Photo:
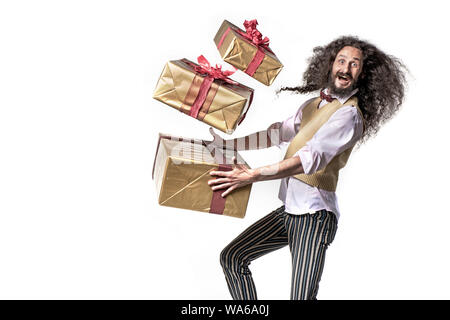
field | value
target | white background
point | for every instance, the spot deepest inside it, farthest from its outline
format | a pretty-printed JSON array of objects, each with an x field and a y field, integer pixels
[{"x": 79, "y": 217}]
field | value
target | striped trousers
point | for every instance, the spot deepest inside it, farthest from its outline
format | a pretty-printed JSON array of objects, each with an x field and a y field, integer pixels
[{"x": 308, "y": 237}]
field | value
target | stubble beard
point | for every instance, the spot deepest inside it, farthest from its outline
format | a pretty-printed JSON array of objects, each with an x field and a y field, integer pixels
[{"x": 339, "y": 92}]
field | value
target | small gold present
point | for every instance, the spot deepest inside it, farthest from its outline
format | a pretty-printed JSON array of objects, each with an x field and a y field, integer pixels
[
  {"x": 204, "y": 92},
  {"x": 248, "y": 51},
  {"x": 181, "y": 171}
]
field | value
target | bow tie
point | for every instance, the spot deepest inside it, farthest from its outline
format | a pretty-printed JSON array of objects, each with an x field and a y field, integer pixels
[{"x": 325, "y": 96}]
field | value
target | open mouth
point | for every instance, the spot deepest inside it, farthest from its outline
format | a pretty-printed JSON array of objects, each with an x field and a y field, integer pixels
[{"x": 343, "y": 79}]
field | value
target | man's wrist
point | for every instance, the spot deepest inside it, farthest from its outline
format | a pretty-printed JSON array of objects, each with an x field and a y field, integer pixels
[{"x": 255, "y": 175}]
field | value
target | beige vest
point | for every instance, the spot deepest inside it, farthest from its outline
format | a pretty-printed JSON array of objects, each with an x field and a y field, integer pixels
[{"x": 312, "y": 119}]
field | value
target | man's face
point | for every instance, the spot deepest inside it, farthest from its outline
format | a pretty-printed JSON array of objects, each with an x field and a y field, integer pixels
[{"x": 346, "y": 69}]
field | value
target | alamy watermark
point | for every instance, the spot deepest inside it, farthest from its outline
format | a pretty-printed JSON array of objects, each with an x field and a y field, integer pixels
[{"x": 223, "y": 151}]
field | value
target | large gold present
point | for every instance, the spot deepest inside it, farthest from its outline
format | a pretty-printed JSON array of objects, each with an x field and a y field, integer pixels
[
  {"x": 204, "y": 92},
  {"x": 181, "y": 171},
  {"x": 248, "y": 51}
]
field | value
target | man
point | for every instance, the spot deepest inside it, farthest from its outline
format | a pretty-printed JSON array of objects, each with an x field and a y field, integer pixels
[{"x": 360, "y": 88}]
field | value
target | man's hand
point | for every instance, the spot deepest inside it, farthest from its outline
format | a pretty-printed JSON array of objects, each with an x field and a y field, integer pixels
[{"x": 240, "y": 176}]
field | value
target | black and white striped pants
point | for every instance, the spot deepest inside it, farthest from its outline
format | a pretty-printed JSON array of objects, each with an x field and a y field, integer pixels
[{"x": 308, "y": 236}]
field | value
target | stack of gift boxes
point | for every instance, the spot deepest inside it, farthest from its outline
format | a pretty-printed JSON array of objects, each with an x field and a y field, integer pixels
[{"x": 206, "y": 93}]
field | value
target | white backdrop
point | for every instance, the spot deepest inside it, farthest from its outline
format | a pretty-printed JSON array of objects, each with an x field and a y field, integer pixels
[{"x": 79, "y": 217}]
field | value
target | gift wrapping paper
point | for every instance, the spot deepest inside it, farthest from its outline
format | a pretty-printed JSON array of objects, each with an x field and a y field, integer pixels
[
  {"x": 240, "y": 51},
  {"x": 225, "y": 102},
  {"x": 181, "y": 172}
]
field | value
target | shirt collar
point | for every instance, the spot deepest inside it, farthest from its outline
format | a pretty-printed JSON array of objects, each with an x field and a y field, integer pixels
[{"x": 342, "y": 100}]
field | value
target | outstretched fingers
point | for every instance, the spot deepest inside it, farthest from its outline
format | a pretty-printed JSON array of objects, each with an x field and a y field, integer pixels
[
  {"x": 222, "y": 186},
  {"x": 220, "y": 173},
  {"x": 228, "y": 191},
  {"x": 218, "y": 181}
]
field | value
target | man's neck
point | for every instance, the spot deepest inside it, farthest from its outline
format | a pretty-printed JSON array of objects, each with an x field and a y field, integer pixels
[{"x": 342, "y": 98}]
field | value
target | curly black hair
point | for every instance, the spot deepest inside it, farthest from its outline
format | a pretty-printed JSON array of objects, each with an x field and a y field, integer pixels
[{"x": 381, "y": 84}]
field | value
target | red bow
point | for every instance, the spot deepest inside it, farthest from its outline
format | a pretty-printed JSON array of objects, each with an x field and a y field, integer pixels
[
  {"x": 254, "y": 35},
  {"x": 217, "y": 72},
  {"x": 325, "y": 96}
]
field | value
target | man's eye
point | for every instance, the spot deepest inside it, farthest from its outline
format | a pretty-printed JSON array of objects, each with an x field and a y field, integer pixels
[{"x": 354, "y": 64}]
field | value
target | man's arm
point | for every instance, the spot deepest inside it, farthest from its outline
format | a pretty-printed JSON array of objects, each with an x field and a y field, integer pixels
[
  {"x": 255, "y": 141},
  {"x": 275, "y": 134},
  {"x": 242, "y": 175},
  {"x": 340, "y": 132}
]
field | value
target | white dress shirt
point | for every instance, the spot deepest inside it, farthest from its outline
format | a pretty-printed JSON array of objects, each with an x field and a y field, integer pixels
[{"x": 340, "y": 132}]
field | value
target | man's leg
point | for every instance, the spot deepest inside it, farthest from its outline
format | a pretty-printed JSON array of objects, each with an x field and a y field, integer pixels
[
  {"x": 266, "y": 235},
  {"x": 309, "y": 236}
]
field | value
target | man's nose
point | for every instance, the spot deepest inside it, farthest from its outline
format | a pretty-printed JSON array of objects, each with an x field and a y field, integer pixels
[{"x": 345, "y": 68}]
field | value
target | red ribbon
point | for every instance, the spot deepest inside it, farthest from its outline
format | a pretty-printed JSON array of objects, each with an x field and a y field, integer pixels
[
  {"x": 216, "y": 73},
  {"x": 217, "y": 201},
  {"x": 212, "y": 73},
  {"x": 254, "y": 36}
]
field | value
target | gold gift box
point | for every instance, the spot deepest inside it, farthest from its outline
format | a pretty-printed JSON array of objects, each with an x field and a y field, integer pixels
[
  {"x": 226, "y": 103},
  {"x": 182, "y": 170},
  {"x": 239, "y": 52}
]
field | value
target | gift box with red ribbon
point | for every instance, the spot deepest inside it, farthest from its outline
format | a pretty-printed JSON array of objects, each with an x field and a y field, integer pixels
[
  {"x": 248, "y": 51},
  {"x": 181, "y": 173},
  {"x": 204, "y": 92}
]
